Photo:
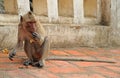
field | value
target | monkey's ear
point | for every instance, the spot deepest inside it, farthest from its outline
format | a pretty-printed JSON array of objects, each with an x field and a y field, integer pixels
[
  {"x": 21, "y": 18},
  {"x": 30, "y": 12}
]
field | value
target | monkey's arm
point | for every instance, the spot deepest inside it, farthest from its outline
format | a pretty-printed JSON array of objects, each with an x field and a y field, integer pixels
[
  {"x": 19, "y": 44},
  {"x": 13, "y": 52}
]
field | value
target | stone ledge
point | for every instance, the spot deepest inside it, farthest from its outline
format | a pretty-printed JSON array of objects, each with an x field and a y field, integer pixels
[{"x": 63, "y": 35}]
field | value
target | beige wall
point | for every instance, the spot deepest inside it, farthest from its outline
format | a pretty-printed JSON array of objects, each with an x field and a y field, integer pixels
[
  {"x": 10, "y": 6},
  {"x": 40, "y": 7},
  {"x": 65, "y": 35},
  {"x": 62, "y": 36},
  {"x": 65, "y": 7},
  {"x": 90, "y": 8}
]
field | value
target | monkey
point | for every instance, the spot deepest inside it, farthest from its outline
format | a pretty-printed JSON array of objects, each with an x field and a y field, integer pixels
[{"x": 32, "y": 36}]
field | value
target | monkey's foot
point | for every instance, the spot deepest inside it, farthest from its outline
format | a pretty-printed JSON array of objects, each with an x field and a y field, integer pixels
[
  {"x": 27, "y": 62},
  {"x": 37, "y": 64}
]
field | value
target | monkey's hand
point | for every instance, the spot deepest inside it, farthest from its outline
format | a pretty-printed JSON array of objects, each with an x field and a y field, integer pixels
[
  {"x": 35, "y": 35},
  {"x": 12, "y": 54}
]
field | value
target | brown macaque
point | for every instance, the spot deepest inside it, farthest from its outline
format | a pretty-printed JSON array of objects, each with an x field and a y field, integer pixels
[{"x": 36, "y": 43}]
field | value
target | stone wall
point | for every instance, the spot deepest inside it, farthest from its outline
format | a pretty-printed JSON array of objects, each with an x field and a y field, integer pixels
[
  {"x": 72, "y": 35},
  {"x": 8, "y": 36},
  {"x": 62, "y": 35}
]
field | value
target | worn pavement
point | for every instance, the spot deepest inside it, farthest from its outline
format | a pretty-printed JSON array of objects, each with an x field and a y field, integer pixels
[{"x": 77, "y": 62}]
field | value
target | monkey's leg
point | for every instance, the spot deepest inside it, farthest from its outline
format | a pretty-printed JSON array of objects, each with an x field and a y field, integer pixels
[
  {"x": 28, "y": 50},
  {"x": 45, "y": 49}
]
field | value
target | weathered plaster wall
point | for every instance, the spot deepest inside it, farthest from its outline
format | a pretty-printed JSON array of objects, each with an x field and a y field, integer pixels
[
  {"x": 92, "y": 11},
  {"x": 71, "y": 36},
  {"x": 11, "y": 6},
  {"x": 62, "y": 35},
  {"x": 65, "y": 8},
  {"x": 90, "y": 8},
  {"x": 6, "y": 19},
  {"x": 8, "y": 36},
  {"x": 40, "y": 7}
]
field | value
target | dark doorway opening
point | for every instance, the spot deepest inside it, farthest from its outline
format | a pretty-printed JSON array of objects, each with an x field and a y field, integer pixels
[{"x": 31, "y": 5}]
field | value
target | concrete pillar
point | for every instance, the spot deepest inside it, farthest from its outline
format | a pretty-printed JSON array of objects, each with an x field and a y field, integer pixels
[
  {"x": 114, "y": 35},
  {"x": 23, "y": 6},
  {"x": 118, "y": 13},
  {"x": 114, "y": 13},
  {"x": 98, "y": 11},
  {"x": 78, "y": 11},
  {"x": 52, "y": 10}
]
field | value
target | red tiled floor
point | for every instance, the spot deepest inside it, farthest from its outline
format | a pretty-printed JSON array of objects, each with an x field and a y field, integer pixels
[
  {"x": 82, "y": 76},
  {"x": 106, "y": 72},
  {"x": 42, "y": 74},
  {"x": 90, "y": 64},
  {"x": 18, "y": 74},
  {"x": 57, "y": 52},
  {"x": 61, "y": 63},
  {"x": 75, "y": 53},
  {"x": 65, "y": 69},
  {"x": 113, "y": 68}
]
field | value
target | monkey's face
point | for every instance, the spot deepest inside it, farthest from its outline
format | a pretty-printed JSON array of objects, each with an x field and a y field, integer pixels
[
  {"x": 29, "y": 22},
  {"x": 31, "y": 26}
]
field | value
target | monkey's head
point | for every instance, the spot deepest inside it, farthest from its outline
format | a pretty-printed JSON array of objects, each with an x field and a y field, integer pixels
[{"x": 29, "y": 22}]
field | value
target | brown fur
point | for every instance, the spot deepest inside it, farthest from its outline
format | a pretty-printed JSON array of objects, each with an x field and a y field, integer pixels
[{"x": 36, "y": 46}]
